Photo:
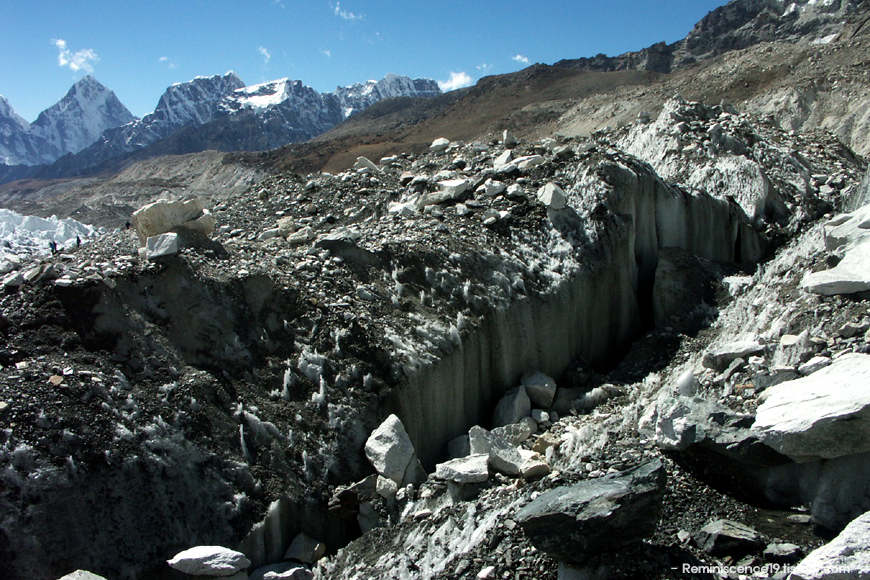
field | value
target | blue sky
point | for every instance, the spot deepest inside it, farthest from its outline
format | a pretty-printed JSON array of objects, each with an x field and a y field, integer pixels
[{"x": 139, "y": 47}]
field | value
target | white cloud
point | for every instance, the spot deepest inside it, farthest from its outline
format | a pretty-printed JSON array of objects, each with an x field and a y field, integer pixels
[
  {"x": 266, "y": 55},
  {"x": 168, "y": 61},
  {"x": 484, "y": 68},
  {"x": 344, "y": 14},
  {"x": 521, "y": 59},
  {"x": 457, "y": 80},
  {"x": 80, "y": 60},
  {"x": 328, "y": 53}
]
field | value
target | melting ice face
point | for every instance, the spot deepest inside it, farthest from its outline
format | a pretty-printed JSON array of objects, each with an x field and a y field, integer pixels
[{"x": 22, "y": 235}]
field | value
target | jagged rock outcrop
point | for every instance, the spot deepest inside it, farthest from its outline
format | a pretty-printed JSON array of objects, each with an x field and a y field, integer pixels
[{"x": 734, "y": 26}]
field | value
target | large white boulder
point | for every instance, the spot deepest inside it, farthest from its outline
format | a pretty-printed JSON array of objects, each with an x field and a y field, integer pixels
[
  {"x": 846, "y": 557},
  {"x": 439, "y": 145},
  {"x": 454, "y": 187},
  {"x": 162, "y": 216},
  {"x": 824, "y": 415},
  {"x": 365, "y": 164},
  {"x": 209, "y": 561},
  {"x": 389, "y": 449},
  {"x": 503, "y": 159},
  {"x": 847, "y": 235}
]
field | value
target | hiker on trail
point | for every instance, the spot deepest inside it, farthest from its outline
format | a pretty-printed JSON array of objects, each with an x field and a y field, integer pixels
[{"x": 53, "y": 247}]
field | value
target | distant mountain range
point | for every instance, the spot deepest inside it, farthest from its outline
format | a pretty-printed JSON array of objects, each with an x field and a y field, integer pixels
[{"x": 90, "y": 127}]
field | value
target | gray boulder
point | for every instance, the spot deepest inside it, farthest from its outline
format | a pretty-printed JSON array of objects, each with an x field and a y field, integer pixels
[
  {"x": 540, "y": 388},
  {"x": 576, "y": 523},
  {"x": 846, "y": 557},
  {"x": 512, "y": 407},
  {"x": 515, "y": 434},
  {"x": 305, "y": 549},
  {"x": 824, "y": 415},
  {"x": 783, "y": 553},
  {"x": 552, "y": 196}
]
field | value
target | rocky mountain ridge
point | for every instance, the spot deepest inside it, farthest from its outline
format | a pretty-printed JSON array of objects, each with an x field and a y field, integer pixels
[{"x": 735, "y": 26}]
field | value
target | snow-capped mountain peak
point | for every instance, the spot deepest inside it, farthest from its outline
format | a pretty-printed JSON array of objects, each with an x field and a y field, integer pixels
[
  {"x": 193, "y": 102},
  {"x": 73, "y": 123},
  {"x": 7, "y": 113},
  {"x": 356, "y": 97},
  {"x": 264, "y": 95},
  {"x": 282, "y": 111}
]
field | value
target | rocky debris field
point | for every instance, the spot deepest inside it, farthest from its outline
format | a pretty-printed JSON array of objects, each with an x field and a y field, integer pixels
[{"x": 218, "y": 379}]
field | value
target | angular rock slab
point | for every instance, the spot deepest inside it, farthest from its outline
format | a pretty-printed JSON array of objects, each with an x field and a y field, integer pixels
[
  {"x": 724, "y": 537},
  {"x": 471, "y": 469},
  {"x": 389, "y": 449},
  {"x": 161, "y": 245},
  {"x": 846, "y": 557},
  {"x": 718, "y": 358},
  {"x": 822, "y": 416},
  {"x": 209, "y": 561},
  {"x": 503, "y": 456},
  {"x": 848, "y": 228},
  {"x": 851, "y": 275},
  {"x": 576, "y": 523},
  {"x": 282, "y": 571}
]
